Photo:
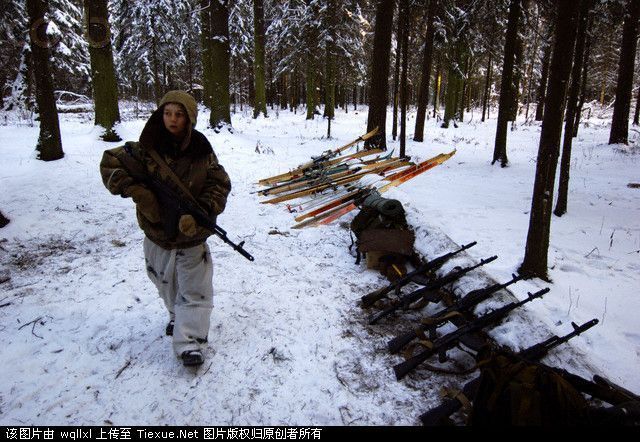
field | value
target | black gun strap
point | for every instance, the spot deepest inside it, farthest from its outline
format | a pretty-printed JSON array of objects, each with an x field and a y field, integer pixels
[{"x": 171, "y": 174}]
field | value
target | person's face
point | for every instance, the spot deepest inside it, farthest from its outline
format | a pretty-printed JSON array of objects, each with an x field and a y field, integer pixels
[{"x": 175, "y": 119}]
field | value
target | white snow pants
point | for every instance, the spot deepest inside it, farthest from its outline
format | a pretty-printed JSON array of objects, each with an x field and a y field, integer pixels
[{"x": 183, "y": 278}]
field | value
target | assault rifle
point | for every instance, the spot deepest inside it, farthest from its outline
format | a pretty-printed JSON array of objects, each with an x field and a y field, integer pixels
[
  {"x": 429, "y": 292},
  {"x": 448, "y": 341},
  {"x": 472, "y": 299},
  {"x": 438, "y": 415},
  {"x": 429, "y": 266},
  {"x": 180, "y": 205}
]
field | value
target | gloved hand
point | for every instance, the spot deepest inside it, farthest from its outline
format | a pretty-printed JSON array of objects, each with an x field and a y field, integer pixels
[
  {"x": 146, "y": 202},
  {"x": 187, "y": 225}
]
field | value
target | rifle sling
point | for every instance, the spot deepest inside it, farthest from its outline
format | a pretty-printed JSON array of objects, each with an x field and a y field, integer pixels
[
  {"x": 170, "y": 173},
  {"x": 459, "y": 396}
]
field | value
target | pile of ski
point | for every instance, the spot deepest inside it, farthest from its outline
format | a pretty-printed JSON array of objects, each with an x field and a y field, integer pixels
[{"x": 334, "y": 183}]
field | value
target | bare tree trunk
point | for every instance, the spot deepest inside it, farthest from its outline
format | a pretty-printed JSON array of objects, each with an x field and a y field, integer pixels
[
  {"x": 583, "y": 88},
  {"x": 465, "y": 81},
  {"x": 49, "y": 142},
  {"x": 620, "y": 122},
  {"x": 537, "y": 246},
  {"x": 396, "y": 75},
  {"x": 220, "y": 53},
  {"x": 423, "y": 96},
  {"x": 636, "y": 116},
  {"x": 103, "y": 75},
  {"x": 544, "y": 76},
  {"x": 506, "y": 85},
  {"x": 310, "y": 88},
  {"x": 404, "y": 18},
  {"x": 487, "y": 87},
  {"x": 260, "y": 104},
  {"x": 436, "y": 89},
  {"x": 532, "y": 58},
  {"x": 205, "y": 42},
  {"x": 379, "y": 85},
  {"x": 572, "y": 106}
]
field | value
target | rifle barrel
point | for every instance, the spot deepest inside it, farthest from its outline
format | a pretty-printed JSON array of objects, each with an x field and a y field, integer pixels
[
  {"x": 447, "y": 341},
  {"x": 427, "y": 290},
  {"x": 434, "y": 264}
]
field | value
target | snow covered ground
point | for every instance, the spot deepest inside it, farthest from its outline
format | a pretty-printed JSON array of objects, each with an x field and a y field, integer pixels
[{"x": 83, "y": 330}]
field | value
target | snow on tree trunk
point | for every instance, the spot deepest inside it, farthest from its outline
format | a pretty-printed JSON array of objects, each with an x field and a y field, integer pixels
[
  {"x": 260, "y": 104},
  {"x": 49, "y": 142},
  {"x": 103, "y": 77}
]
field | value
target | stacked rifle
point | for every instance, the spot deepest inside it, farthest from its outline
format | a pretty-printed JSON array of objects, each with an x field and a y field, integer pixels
[
  {"x": 424, "y": 286},
  {"x": 335, "y": 183}
]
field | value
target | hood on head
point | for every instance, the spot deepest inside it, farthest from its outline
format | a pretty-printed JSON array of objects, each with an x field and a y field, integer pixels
[{"x": 186, "y": 100}]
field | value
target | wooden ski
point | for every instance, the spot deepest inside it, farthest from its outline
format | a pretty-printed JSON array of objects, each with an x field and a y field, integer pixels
[
  {"x": 325, "y": 160},
  {"x": 396, "y": 163},
  {"x": 396, "y": 179}
]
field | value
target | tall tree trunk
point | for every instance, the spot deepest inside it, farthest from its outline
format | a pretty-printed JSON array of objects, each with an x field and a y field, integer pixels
[
  {"x": 404, "y": 18},
  {"x": 583, "y": 88},
  {"x": 260, "y": 104},
  {"x": 544, "y": 76},
  {"x": 330, "y": 78},
  {"x": 451, "y": 94},
  {"x": 537, "y": 246},
  {"x": 155, "y": 65},
  {"x": 517, "y": 64},
  {"x": 205, "y": 42},
  {"x": 507, "y": 88},
  {"x": 620, "y": 122},
  {"x": 487, "y": 87},
  {"x": 310, "y": 88},
  {"x": 532, "y": 60},
  {"x": 103, "y": 76},
  {"x": 49, "y": 142},
  {"x": 423, "y": 95},
  {"x": 572, "y": 106},
  {"x": 636, "y": 116},
  {"x": 436, "y": 89},
  {"x": 220, "y": 53},
  {"x": 465, "y": 82},
  {"x": 379, "y": 69},
  {"x": 396, "y": 75}
]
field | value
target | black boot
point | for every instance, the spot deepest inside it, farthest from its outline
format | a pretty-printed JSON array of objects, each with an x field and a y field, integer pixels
[
  {"x": 192, "y": 357},
  {"x": 169, "y": 329}
]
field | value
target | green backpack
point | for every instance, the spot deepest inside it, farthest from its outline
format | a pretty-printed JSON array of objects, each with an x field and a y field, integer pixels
[{"x": 383, "y": 236}]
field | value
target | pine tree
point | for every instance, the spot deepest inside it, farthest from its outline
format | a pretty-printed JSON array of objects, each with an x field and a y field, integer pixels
[
  {"x": 260, "y": 104},
  {"x": 572, "y": 107},
  {"x": 219, "y": 41},
  {"x": 507, "y": 86},
  {"x": 423, "y": 97},
  {"x": 537, "y": 245},
  {"x": 379, "y": 70},
  {"x": 620, "y": 120},
  {"x": 49, "y": 142},
  {"x": 103, "y": 77}
]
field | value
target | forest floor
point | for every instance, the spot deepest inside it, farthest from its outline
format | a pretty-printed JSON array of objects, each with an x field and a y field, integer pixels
[{"x": 83, "y": 329}]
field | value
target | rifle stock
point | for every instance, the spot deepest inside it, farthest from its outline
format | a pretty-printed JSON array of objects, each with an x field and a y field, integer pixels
[
  {"x": 472, "y": 299},
  {"x": 437, "y": 415},
  {"x": 427, "y": 291},
  {"x": 447, "y": 341},
  {"x": 370, "y": 298}
]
